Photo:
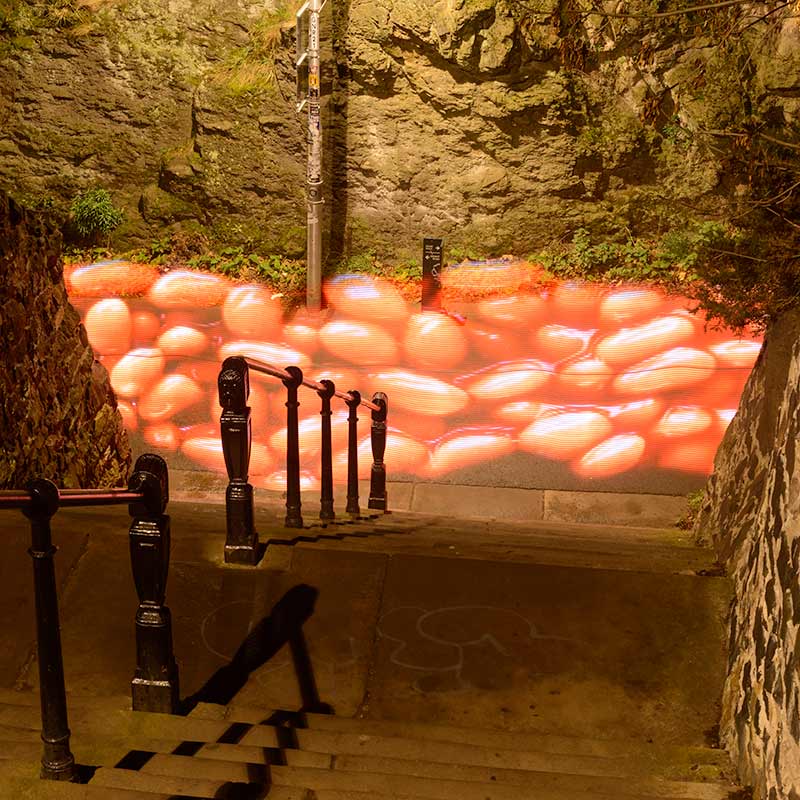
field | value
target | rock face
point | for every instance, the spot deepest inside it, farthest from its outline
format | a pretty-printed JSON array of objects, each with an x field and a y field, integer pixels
[
  {"x": 752, "y": 516},
  {"x": 500, "y": 124},
  {"x": 58, "y": 416}
]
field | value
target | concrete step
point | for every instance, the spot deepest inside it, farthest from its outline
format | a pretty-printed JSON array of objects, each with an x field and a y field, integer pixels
[
  {"x": 345, "y": 737},
  {"x": 505, "y": 740},
  {"x": 405, "y": 770}
]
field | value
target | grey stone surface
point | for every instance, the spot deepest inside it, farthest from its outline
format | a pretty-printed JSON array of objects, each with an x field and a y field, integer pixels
[
  {"x": 477, "y": 501},
  {"x": 607, "y": 508},
  {"x": 750, "y": 513}
]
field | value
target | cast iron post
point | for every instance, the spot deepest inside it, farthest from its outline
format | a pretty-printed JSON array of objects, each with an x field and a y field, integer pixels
[
  {"x": 377, "y": 482},
  {"x": 326, "y": 511},
  {"x": 241, "y": 544},
  {"x": 58, "y": 763},
  {"x": 155, "y": 683},
  {"x": 294, "y": 518},
  {"x": 352, "y": 453}
]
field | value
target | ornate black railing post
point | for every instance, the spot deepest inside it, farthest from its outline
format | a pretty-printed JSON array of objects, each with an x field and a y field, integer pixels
[
  {"x": 326, "y": 511},
  {"x": 155, "y": 683},
  {"x": 241, "y": 544},
  {"x": 377, "y": 482},
  {"x": 352, "y": 453},
  {"x": 294, "y": 518},
  {"x": 58, "y": 763}
]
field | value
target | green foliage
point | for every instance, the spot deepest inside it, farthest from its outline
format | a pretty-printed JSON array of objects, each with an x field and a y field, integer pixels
[
  {"x": 694, "y": 504},
  {"x": 282, "y": 274},
  {"x": 93, "y": 213}
]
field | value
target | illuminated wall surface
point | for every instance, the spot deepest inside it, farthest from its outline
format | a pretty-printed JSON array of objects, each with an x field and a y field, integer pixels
[{"x": 577, "y": 387}]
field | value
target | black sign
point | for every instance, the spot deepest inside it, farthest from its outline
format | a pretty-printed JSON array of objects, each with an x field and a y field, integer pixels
[{"x": 431, "y": 273}]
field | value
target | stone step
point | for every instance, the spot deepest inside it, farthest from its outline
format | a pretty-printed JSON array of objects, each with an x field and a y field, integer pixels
[
  {"x": 339, "y": 736},
  {"x": 669, "y": 759},
  {"x": 218, "y": 767}
]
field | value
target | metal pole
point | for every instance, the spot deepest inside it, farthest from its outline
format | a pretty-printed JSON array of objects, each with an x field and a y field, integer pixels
[
  {"x": 314, "y": 173},
  {"x": 294, "y": 518},
  {"x": 326, "y": 511},
  {"x": 58, "y": 763},
  {"x": 352, "y": 454},
  {"x": 377, "y": 484}
]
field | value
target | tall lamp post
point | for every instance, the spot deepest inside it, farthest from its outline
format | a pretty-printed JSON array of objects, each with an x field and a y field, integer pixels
[{"x": 308, "y": 83}]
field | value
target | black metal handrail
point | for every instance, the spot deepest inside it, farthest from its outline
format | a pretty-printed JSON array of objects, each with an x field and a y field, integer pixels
[
  {"x": 235, "y": 430},
  {"x": 155, "y": 683}
]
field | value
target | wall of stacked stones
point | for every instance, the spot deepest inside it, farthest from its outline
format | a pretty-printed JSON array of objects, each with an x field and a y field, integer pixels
[
  {"x": 58, "y": 415},
  {"x": 752, "y": 516}
]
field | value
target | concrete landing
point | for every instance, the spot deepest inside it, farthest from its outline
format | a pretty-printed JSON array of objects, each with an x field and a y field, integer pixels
[{"x": 573, "y": 630}]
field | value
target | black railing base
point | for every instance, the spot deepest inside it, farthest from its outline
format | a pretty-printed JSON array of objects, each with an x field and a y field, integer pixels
[
  {"x": 241, "y": 546},
  {"x": 159, "y": 697},
  {"x": 58, "y": 763}
]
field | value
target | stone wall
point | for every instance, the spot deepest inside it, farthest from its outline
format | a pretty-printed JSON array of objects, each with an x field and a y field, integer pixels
[
  {"x": 462, "y": 118},
  {"x": 58, "y": 416},
  {"x": 751, "y": 514}
]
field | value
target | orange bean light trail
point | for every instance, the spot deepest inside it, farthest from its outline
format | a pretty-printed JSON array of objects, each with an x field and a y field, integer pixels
[{"x": 600, "y": 381}]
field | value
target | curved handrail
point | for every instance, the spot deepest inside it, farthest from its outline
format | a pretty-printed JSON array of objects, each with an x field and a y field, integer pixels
[
  {"x": 235, "y": 432},
  {"x": 155, "y": 683}
]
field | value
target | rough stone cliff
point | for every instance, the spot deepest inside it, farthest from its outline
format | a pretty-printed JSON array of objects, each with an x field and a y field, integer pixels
[
  {"x": 500, "y": 124},
  {"x": 58, "y": 415}
]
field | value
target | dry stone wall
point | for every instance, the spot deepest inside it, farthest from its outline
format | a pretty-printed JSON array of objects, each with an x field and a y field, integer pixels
[
  {"x": 751, "y": 514},
  {"x": 58, "y": 416}
]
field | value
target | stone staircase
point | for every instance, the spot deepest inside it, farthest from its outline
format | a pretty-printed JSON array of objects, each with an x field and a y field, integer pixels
[
  {"x": 609, "y": 696},
  {"x": 244, "y": 752}
]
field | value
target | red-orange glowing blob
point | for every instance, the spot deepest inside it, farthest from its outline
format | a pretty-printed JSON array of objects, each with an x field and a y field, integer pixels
[
  {"x": 108, "y": 326},
  {"x": 494, "y": 344},
  {"x": 522, "y": 312},
  {"x": 137, "y": 371},
  {"x": 737, "y": 353},
  {"x": 576, "y": 303},
  {"x": 689, "y": 456},
  {"x": 117, "y": 278},
  {"x": 128, "y": 413},
  {"x": 273, "y": 354},
  {"x": 418, "y": 426},
  {"x": 366, "y": 298},
  {"x": 521, "y": 412},
  {"x": 468, "y": 450},
  {"x": 591, "y": 375},
  {"x": 678, "y": 368},
  {"x": 434, "y": 341},
  {"x": 683, "y": 421},
  {"x": 309, "y": 433},
  {"x": 302, "y": 337},
  {"x": 408, "y": 456},
  {"x": 420, "y": 393},
  {"x": 200, "y": 370},
  {"x": 145, "y": 327},
  {"x": 207, "y": 451},
  {"x": 359, "y": 342},
  {"x": 566, "y": 435},
  {"x": 276, "y": 481},
  {"x": 182, "y": 341},
  {"x": 250, "y": 312},
  {"x": 510, "y": 380},
  {"x": 611, "y": 457},
  {"x": 557, "y": 342},
  {"x": 635, "y": 416},
  {"x": 188, "y": 289},
  {"x": 631, "y": 345},
  {"x": 171, "y": 395},
  {"x": 165, "y": 436},
  {"x": 626, "y": 307}
]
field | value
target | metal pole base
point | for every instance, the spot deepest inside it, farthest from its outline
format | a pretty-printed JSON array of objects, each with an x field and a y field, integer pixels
[
  {"x": 58, "y": 763},
  {"x": 157, "y": 691},
  {"x": 241, "y": 546}
]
